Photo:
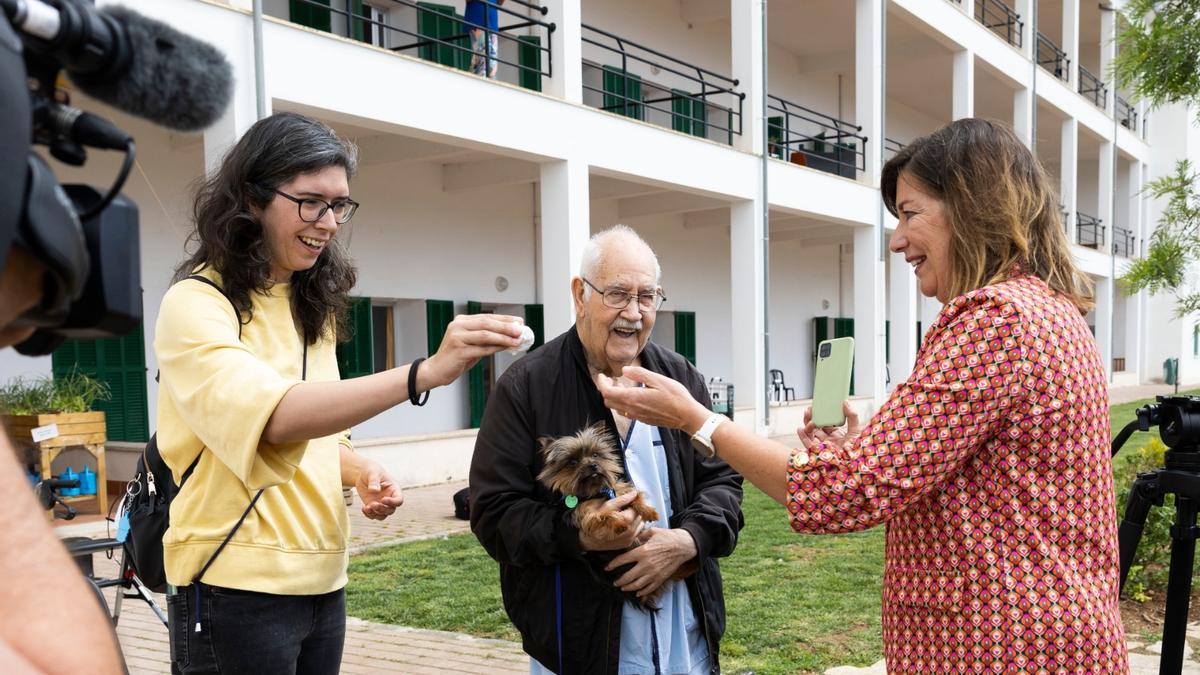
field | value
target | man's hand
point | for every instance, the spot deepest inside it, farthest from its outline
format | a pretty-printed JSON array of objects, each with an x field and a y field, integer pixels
[
  {"x": 633, "y": 522},
  {"x": 379, "y": 493},
  {"x": 661, "y": 553}
]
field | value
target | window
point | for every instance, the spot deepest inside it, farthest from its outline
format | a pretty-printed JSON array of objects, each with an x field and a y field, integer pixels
[
  {"x": 355, "y": 355},
  {"x": 688, "y": 113},
  {"x": 441, "y": 22},
  {"x": 373, "y": 30},
  {"x": 383, "y": 338},
  {"x": 529, "y": 56},
  {"x": 311, "y": 13},
  {"x": 623, "y": 93}
]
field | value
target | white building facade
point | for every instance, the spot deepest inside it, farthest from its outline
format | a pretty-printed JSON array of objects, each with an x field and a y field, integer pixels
[{"x": 478, "y": 195}]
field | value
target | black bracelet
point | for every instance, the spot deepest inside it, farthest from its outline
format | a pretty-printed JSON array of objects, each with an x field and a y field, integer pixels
[{"x": 413, "y": 398}]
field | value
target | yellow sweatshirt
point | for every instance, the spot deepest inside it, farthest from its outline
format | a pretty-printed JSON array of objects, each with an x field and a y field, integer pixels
[{"x": 215, "y": 396}]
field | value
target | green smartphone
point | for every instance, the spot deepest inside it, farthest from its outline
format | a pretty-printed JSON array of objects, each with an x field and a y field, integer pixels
[{"x": 831, "y": 384}]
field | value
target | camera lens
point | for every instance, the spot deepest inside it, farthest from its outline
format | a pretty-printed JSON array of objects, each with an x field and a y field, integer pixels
[{"x": 825, "y": 348}]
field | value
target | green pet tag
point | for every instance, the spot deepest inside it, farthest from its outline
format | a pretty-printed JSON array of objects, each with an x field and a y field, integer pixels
[{"x": 571, "y": 501}]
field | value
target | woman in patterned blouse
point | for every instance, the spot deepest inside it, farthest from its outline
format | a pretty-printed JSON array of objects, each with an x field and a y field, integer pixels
[{"x": 990, "y": 464}]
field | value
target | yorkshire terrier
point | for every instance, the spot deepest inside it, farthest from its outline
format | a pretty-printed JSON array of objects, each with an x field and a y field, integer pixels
[{"x": 584, "y": 469}]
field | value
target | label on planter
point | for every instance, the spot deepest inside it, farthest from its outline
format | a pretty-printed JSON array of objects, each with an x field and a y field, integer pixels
[{"x": 45, "y": 433}]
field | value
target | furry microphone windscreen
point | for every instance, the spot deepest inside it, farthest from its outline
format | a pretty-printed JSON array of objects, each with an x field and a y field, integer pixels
[{"x": 173, "y": 80}]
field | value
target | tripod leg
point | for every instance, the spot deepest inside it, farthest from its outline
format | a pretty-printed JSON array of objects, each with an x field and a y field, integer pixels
[
  {"x": 1142, "y": 495},
  {"x": 1179, "y": 584}
]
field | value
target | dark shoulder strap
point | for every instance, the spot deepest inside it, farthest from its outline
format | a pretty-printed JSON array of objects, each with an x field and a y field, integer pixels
[{"x": 220, "y": 290}]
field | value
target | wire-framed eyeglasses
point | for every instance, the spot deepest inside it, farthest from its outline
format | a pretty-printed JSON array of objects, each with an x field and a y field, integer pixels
[{"x": 616, "y": 298}]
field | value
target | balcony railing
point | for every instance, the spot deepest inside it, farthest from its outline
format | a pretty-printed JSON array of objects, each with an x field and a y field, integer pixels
[
  {"x": 1052, "y": 58},
  {"x": 804, "y": 136},
  {"x": 1000, "y": 19},
  {"x": 1124, "y": 242},
  {"x": 441, "y": 35},
  {"x": 890, "y": 147},
  {"x": 1092, "y": 88},
  {"x": 1127, "y": 115},
  {"x": 1089, "y": 231},
  {"x": 688, "y": 98}
]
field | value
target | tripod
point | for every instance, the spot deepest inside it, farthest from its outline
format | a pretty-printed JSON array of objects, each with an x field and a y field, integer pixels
[{"x": 1178, "y": 418}]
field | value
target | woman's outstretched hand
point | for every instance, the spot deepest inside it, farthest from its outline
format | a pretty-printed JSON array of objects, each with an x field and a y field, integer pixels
[
  {"x": 468, "y": 338},
  {"x": 661, "y": 401},
  {"x": 841, "y": 437}
]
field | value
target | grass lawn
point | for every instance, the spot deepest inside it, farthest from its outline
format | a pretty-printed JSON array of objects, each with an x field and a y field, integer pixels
[{"x": 794, "y": 603}]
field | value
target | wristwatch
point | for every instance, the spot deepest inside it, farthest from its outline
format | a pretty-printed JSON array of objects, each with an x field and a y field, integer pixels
[{"x": 702, "y": 439}]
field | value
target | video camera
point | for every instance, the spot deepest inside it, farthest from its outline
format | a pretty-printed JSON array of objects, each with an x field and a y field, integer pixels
[{"x": 88, "y": 241}]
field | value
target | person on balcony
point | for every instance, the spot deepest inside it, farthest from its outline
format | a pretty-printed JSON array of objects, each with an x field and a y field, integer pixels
[
  {"x": 250, "y": 400},
  {"x": 560, "y": 583},
  {"x": 990, "y": 464},
  {"x": 481, "y": 15}
]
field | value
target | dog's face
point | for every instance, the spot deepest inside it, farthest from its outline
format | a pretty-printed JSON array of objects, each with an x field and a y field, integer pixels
[{"x": 582, "y": 464}]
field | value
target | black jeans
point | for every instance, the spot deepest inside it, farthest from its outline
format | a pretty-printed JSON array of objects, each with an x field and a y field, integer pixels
[{"x": 248, "y": 632}]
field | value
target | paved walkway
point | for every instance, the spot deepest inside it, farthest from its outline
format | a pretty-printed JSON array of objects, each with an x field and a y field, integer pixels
[{"x": 380, "y": 648}]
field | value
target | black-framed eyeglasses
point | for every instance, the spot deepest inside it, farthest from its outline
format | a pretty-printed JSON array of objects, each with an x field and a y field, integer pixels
[
  {"x": 312, "y": 209},
  {"x": 616, "y": 298}
]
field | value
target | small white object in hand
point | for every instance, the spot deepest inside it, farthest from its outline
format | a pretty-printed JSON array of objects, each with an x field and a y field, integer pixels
[{"x": 526, "y": 341}]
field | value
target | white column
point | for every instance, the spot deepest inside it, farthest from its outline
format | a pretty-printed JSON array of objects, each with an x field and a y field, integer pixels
[
  {"x": 963, "y": 88},
  {"x": 869, "y": 283},
  {"x": 1106, "y": 184},
  {"x": 745, "y": 36},
  {"x": 241, "y": 114},
  {"x": 929, "y": 310},
  {"x": 748, "y": 290},
  {"x": 903, "y": 314},
  {"x": 566, "y": 53},
  {"x": 1135, "y": 324},
  {"x": 564, "y": 229},
  {"x": 1024, "y": 9},
  {"x": 1108, "y": 51},
  {"x": 1023, "y": 115},
  {"x": 1104, "y": 314},
  {"x": 1070, "y": 40},
  {"x": 868, "y": 82},
  {"x": 1070, "y": 171}
]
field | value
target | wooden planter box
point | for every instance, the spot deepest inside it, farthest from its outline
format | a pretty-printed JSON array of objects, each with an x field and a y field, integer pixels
[{"x": 85, "y": 430}]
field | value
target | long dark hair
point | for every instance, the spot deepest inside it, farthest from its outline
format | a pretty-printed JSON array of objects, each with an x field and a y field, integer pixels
[
  {"x": 1001, "y": 206},
  {"x": 229, "y": 238}
]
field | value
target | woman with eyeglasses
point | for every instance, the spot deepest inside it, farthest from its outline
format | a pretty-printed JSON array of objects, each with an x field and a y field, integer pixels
[{"x": 252, "y": 414}]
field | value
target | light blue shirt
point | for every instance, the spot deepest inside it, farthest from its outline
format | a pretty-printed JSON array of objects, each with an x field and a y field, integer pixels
[{"x": 674, "y": 627}]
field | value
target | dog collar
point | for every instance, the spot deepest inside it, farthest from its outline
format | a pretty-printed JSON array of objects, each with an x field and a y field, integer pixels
[{"x": 571, "y": 501}]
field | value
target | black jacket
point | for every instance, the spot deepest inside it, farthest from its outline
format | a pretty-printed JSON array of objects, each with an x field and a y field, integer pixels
[{"x": 527, "y": 530}]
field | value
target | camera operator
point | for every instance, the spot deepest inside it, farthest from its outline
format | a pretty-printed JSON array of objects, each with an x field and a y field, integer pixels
[{"x": 51, "y": 621}]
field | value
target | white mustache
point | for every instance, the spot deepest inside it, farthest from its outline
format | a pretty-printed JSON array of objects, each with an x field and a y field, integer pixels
[{"x": 628, "y": 325}]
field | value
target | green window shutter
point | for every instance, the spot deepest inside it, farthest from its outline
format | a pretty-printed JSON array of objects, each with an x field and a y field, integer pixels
[
  {"x": 529, "y": 56},
  {"x": 681, "y": 111},
  {"x": 438, "y": 315},
  {"x": 617, "y": 81},
  {"x": 535, "y": 319},
  {"x": 887, "y": 340},
  {"x": 699, "y": 117},
  {"x": 358, "y": 28},
  {"x": 820, "y": 333},
  {"x": 685, "y": 335},
  {"x": 356, "y": 356},
  {"x": 307, "y": 13},
  {"x": 476, "y": 384},
  {"x": 121, "y": 364},
  {"x": 775, "y": 135},
  {"x": 920, "y": 334},
  {"x": 843, "y": 328},
  {"x": 442, "y": 22}
]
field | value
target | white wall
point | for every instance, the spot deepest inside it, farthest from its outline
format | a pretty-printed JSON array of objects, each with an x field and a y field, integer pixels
[{"x": 805, "y": 284}]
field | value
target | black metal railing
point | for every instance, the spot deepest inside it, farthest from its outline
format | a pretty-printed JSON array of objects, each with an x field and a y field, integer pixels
[
  {"x": 1092, "y": 88},
  {"x": 804, "y": 136},
  {"x": 891, "y": 146},
  {"x": 1127, "y": 115},
  {"x": 1089, "y": 231},
  {"x": 686, "y": 98},
  {"x": 1000, "y": 19},
  {"x": 1124, "y": 242},
  {"x": 1052, "y": 58},
  {"x": 441, "y": 35}
]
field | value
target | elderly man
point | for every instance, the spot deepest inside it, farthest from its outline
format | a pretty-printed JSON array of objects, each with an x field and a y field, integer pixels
[{"x": 562, "y": 589}]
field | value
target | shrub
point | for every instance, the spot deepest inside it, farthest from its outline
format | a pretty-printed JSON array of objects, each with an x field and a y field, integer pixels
[{"x": 1152, "y": 562}]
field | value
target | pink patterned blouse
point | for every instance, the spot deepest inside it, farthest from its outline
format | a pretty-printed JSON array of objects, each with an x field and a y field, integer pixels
[{"x": 990, "y": 466}]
